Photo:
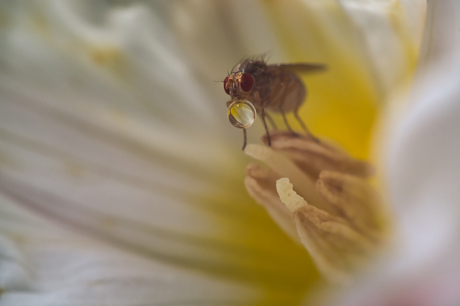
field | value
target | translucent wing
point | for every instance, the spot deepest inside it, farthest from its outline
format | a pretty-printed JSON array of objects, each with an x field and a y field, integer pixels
[{"x": 300, "y": 68}]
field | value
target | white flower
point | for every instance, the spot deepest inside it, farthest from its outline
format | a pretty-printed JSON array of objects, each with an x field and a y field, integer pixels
[{"x": 121, "y": 182}]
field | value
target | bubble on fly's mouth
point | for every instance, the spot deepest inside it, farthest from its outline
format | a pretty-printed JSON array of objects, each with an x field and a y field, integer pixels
[{"x": 241, "y": 114}]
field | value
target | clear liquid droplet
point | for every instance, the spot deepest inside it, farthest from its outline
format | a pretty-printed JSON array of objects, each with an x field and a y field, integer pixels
[{"x": 241, "y": 114}]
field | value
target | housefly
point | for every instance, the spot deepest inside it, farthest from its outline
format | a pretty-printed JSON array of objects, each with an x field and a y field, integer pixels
[{"x": 255, "y": 88}]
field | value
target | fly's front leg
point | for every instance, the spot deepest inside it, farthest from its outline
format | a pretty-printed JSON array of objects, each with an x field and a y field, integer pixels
[{"x": 264, "y": 101}]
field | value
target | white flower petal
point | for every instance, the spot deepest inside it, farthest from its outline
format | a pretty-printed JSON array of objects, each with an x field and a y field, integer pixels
[
  {"x": 64, "y": 269},
  {"x": 110, "y": 136},
  {"x": 393, "y": 35},
  {"x": 425, "y": 157},
  {"x": 423, "y": 160},
  {"x": 14, "y": 273}
]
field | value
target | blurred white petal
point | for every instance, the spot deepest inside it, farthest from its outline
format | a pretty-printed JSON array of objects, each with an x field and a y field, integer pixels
[
  {"x": 392, "y": 55},
  {"x": 423, "y": 162},
  {"x": 64, "y": 269}
]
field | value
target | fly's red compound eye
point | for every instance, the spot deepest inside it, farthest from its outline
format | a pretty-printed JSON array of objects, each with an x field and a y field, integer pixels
[
  {"x": 247, "y": 82},
  {"x": 225, "y": 86}
]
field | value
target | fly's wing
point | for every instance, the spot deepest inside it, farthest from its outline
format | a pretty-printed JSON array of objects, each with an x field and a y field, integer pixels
[{"x": 300, "y": 68}]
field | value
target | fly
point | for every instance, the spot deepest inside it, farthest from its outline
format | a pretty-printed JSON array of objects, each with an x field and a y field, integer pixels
[{"x": 255, "y": 87}]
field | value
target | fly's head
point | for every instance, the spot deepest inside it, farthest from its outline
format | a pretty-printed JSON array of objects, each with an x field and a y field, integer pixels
[
  {"x": 241, "y": 112},
  {"x": 239, "y": 84}
]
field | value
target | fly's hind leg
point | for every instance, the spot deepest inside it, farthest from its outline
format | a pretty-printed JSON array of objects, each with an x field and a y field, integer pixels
[
  {"x": 304, "y": 127},
  {"x": 245, "y": 139}
]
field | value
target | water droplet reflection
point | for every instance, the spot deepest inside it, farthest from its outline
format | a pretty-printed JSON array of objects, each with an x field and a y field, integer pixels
[{"x": 241, "y": 114}]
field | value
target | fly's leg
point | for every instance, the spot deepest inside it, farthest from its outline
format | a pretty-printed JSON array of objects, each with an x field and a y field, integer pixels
[
  {"x": 245, "y": 139},
  {"x": 272, "y": 123},
  {"x": 264, "y": 97},
  {"x": 262, "y": 115},
  {"x": 286, "y": 122},
  {"x": 285, "y": 93},
  {"x": 304, "y": 127}
]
